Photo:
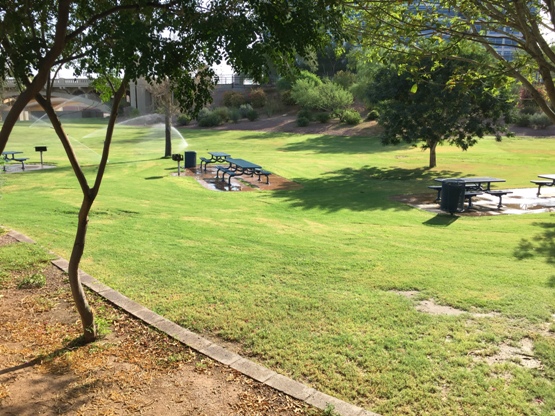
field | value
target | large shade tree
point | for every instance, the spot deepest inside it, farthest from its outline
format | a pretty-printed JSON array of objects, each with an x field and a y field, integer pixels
[
  {"x": 449, "y": 101},
  {"x": 177, "y": 39},
  {"x": 437, "y": 27}
]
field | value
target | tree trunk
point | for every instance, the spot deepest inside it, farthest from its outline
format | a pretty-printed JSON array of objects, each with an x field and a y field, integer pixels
[
  {"x": 85, "y": 311},
  {"x": 168, "y": 123},
  {"x": 89, "y": 195},
  {"x": 432, "y": 146}
]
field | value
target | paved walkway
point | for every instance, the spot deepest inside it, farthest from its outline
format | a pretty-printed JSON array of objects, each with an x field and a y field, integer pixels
[{"x": 210, "y": 349}]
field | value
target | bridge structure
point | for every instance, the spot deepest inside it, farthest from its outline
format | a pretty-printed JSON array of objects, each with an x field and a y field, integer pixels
[
  {"x": 72, "y": 98},
  {"x": 77, "y": 98}
]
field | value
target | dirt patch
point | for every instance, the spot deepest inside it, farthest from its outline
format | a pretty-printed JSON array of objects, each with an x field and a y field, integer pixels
[
  {"x": 521, "y": 354},
  {"x": 133, "y": 369},
  {"x": 239, "y": 183}
]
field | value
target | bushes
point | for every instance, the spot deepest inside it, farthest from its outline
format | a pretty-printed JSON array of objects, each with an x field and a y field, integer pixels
[
  {"x": 257, "y": 98},
  {"x": 183, "y": 119},
  {"x": 372, "y": 115},
  {"x": 235, "y": 115},
  {"x": 252, "y": 115},
  {"x": 536, "y": 121},
  {"x": 233, "y": 99},
  {"x": 223, "y": 113},
  {"x": 209, "y": 119},
  {"x": 323, "y": 117},
  {"x": 351, "y": 117},
  {"x": 540, "y": 121},
  {"x": 325, "y": 96},
  {"x": 303, "y": 121}
]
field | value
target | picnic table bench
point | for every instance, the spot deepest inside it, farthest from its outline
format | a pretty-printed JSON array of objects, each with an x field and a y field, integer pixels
[
  {"x": 9, "y": 157},
  {"x": 215, "y": 157},
  {"x": 540, "y": 183}
]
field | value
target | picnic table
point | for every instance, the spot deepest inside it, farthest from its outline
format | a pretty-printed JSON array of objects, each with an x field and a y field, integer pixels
[
  {"x": 549, "y": 182},
  {"x": 237, "y": 167},
  {"x": 9, "y": 156},
  {"x": 215, "y": 157},
  {"x": 474, "y": 186}
]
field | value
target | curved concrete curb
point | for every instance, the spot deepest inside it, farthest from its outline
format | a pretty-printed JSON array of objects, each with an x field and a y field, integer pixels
[{"x": 243, "y": 365}]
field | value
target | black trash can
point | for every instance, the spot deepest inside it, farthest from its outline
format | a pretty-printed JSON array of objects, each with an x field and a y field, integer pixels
[
  {"x": 452, "y": 195},
  {"x": 190, "y": 159}
]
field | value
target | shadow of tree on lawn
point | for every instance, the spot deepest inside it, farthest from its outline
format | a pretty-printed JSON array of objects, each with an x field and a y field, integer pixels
[
  {"x": 541, "y": 245},
  {"x": 368, "y": 188}
]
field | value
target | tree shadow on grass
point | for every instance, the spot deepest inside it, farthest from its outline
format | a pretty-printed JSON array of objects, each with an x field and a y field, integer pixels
[
  {"x": 342, "y": 144},
  {"x": 368, "y": 188},
  {"x": 542, "y": 245}
]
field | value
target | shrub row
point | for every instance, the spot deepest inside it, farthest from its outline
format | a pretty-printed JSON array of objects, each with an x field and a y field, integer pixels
[
  {"x": 221, "y": 115},
  {"x": 256, "y": 98}
]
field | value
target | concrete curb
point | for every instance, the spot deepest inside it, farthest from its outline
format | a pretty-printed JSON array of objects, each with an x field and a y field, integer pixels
[{"x": 243, "y": 365}]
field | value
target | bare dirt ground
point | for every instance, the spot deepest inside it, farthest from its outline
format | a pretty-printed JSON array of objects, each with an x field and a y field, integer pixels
[{"x": 133, "y": 369}]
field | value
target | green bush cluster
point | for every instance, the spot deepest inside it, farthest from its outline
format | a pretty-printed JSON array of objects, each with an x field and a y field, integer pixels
[
  {"x": 233, "y": 99},
  {"x": 538, "y": 121},
  {"x": 257, "y": 98},
  {"x": 351, "y": 117},
  {"x": 223, "y": 113},
  {"x": 302, "y": 121},
  {"x": 323, "y": 117},
  {"x": 183, "y": 119},
  {"x": 207, "y": 118},
  {"x": 372, "y": 115}
]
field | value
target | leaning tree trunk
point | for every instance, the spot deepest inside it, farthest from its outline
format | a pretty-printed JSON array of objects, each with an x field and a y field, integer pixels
[
  {"x": 89, "y": 195},
  {"x": 85, "y": 311}
]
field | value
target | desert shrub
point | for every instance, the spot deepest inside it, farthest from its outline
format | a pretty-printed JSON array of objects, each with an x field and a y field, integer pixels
[
  {"x": 244, "y": 109},
  {"x": 209, "y": 119},
  {"x": 284, "y": 84},
  {"x": 540, "y": 121},
  {"x": 252, "y": 114},
  {"x": 257, "y": 98},
  {"x": 372, "y": 115},
  {"x": 203, "y": 112},
  {"x": 323, "y": 117},
  {"x": 233, "y": 99},
  {"x": 223, "y": 113},
  {"x": 304, "y": 113},
  {"x": 273, "y": 106},
  {"x": 287, "y": 98},
  {"x": 345, "y": 79},
  {"x": 325, "y": 96},
  {"x": 183, "y": 119},
  {"x": 522, "y": 120},
  {"x": 302, "y": 121},
  {"x": 351, "y": 117},
  {"x": 235, "y": 115}
]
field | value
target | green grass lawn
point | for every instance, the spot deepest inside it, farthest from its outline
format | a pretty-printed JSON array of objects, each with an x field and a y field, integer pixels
[{"x": 304, "y": 280}]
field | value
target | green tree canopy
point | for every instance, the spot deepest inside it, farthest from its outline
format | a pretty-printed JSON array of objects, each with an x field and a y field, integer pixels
[
  {"x": 446, "y": 101},
  {"x": 437, "y": 28}
]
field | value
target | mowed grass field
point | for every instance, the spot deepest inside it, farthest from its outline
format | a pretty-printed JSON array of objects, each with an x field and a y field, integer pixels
[{"x": 306, "y": 281}]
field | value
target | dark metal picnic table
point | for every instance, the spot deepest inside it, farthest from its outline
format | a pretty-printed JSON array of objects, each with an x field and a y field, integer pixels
[
  {"x": 242, "y": 166},
  {"x": 474, "y": 183},
  {"x": 473, "y": 186},
  {"x": 549, "y": 182},
  {"x": 9, "y": 156},
  {"x": 215, "y": 157}
]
